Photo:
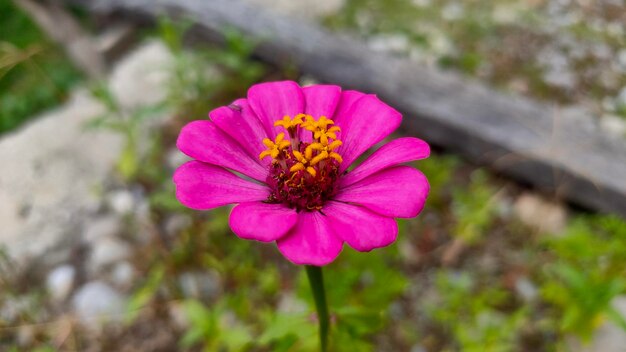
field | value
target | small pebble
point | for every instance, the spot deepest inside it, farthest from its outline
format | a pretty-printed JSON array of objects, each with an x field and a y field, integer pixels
[{"x": 60, "y": 282}]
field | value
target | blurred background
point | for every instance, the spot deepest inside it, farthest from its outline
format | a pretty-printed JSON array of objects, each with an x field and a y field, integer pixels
[{"x": 96, "y": 254}]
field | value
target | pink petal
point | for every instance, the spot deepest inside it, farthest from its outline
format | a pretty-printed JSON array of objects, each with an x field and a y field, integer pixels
[
  {"x": 203, "y": 186},
  {"x": 368, "y": 122},
  {"x": 271, "y": 101},
  {"x": 321, "y": 100},
  {"x": 311, "y": 242},
  {"x": 362, "y": 229},
  {"x": 204, "y": 141},
  {"x": 348, "y": 98},
  {"x": 397, "y": 192},
  {"x": 262, "y": 221},
  {"x": 396, "y": 152},
  {"x": 241, "y": 124}
]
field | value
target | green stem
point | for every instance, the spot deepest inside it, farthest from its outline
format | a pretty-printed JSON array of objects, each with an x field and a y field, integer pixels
[{"x": 316, "y": 279}]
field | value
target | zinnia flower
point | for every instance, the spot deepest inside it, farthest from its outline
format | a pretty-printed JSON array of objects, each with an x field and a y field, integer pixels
[{"x": 283, "y": 154}]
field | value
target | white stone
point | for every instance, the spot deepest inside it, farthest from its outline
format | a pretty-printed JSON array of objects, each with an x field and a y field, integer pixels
[
  {"x": 613, "y": 124},
  {"x": 205, "y": 285},
  {"x": 505, "y": 13},
  {"x": 526, "y": 289},
  {"x": 178, "y": 315},
  {"x": 140, "y": 79},
  {"x": 408, "y": 251},
  {"x": 421, "y": 3},
  {"x": 121, "y": 201},
  {"x": 60, "y": 282},
  {"x": 289, "y": 303},
  {"x": 54, "y": 168},
  {"x": 97, "y": 302},
  {"x": 541, "y": 214},
  {"x": 102, "y": 227},
  {"x": 50, "y": 171},
  {"x": 123, "y": 274},
  {"x": 175, "y": 158},
  {"x": 176, "y": 223},
  {"x": 418, "y": 348},
  {"x": 452, "y": 11},
  {"x": 560, "y": 77},
  {"x": 108, "y": 251},
  {"x": 616, "y": 29}
]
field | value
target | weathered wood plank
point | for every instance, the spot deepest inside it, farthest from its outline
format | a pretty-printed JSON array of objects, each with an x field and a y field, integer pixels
[{"x": 551, "y": 149}]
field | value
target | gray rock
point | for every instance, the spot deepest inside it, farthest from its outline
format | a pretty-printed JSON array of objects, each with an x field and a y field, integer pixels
[
  {"x": 122, "y": 202},
  {"x": 60, "y": 282},
  {"x": 614, "y": 125},
  {"x": 289, "y": 303},
  {"x": 176, "y": 223},
  {"x": 103, "y": 227},
  {"x": 408, "y": 251},
  {"x": 526, "y": 289},
  {"x": 50, "y": 169},
  {"x": 108, "y": 251},
  {"x": 141, "y": 78},
  {"x": 204, "y": 285},
  {"x": 54, "y": 167},
  {"x": 123, "y": 274},
  {"x": 175, "y": 158},
  {"x": 541, "y": 214},
  {"x": 96, "y": 303},
  {"x": 178, "y": 315}
]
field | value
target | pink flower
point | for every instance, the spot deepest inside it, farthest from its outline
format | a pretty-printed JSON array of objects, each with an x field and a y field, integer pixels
[{"x": 283, "y": 155}]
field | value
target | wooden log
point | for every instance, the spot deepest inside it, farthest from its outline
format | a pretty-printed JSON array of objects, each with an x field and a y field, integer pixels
[{"x": 562, "y": 152}]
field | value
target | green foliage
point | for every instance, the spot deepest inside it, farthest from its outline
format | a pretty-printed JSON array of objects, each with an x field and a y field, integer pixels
[
  {"x": 474, "y": 208},
  {"x": 473, "y": 313},
  {"x": 360, "y": 289},
  {"x": 130, "y": 123},
  {"x": 439, "y": 169},
  {"x": 214, "y": 329},
  {"x": 146, "y": 292},
  {"x": 208, "y": 77},
  {"x": 289, "y": 332},
  {"x": 34, "y": 74},
  {"x": 588, "y": 272}
]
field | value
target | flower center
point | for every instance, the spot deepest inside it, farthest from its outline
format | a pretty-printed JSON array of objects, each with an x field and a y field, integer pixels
[{"x": 302, "y": 174}]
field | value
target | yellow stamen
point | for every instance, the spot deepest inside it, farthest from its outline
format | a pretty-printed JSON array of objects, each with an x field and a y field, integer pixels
[
  {"x": 320, "y": 129},
  {"x": 302, "y": 162},
  {"x": 287, "y": 122},
  {"x": 274, "y": 148},
  {"x": 297, "y": 167},
  {"x": 334, "y": 145},
  {"x": 336, "y": 156},
  {"x": 319, "y": 157}
]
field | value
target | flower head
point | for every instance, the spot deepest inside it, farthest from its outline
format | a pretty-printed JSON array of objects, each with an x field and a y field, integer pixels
[{"x": 283, "y": 155}]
